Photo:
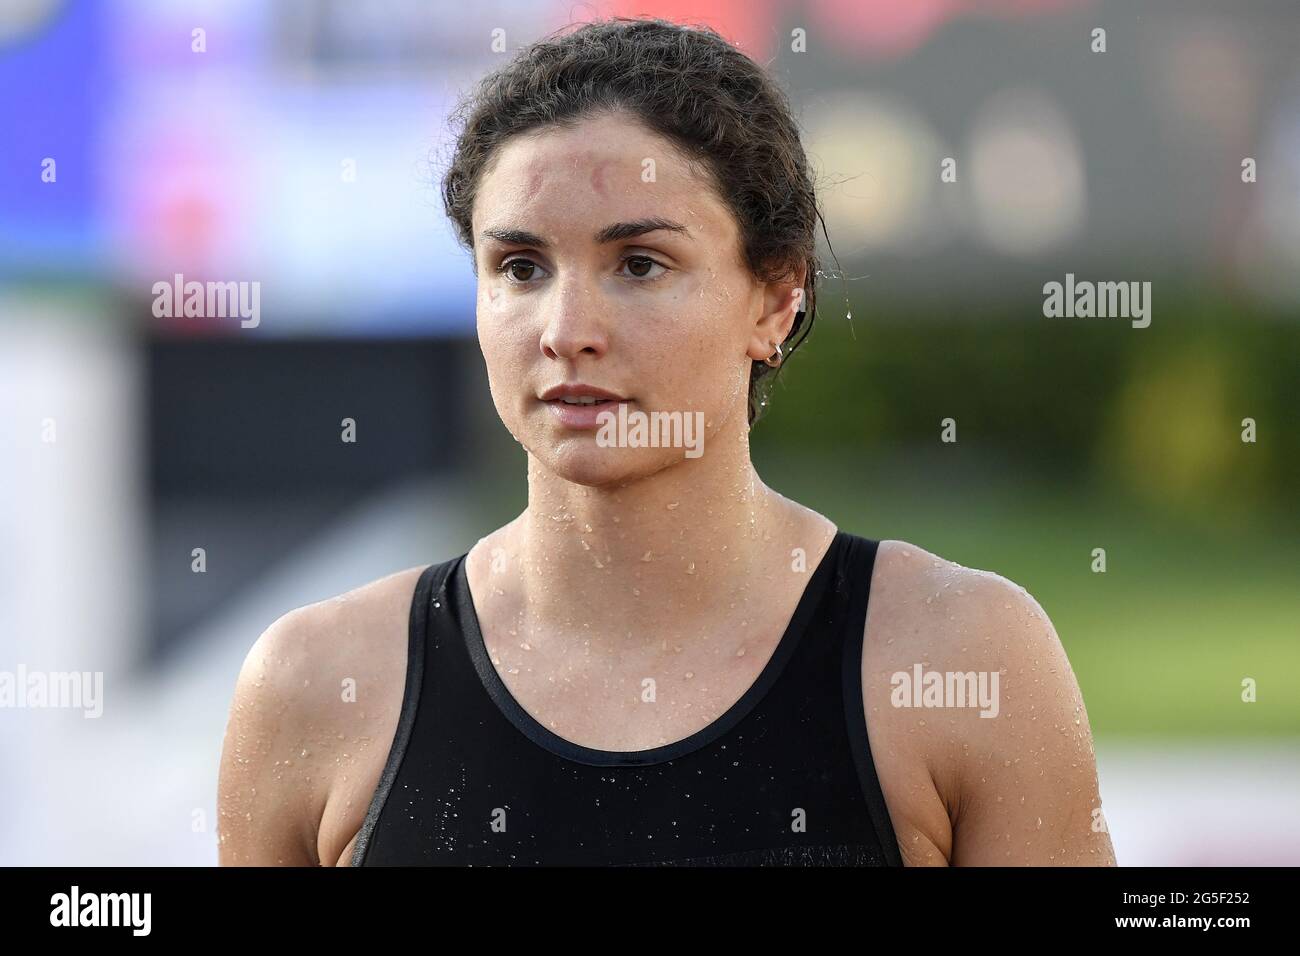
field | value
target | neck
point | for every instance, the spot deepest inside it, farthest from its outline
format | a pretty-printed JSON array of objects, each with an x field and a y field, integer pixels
[{"x": 636, "y": 561}]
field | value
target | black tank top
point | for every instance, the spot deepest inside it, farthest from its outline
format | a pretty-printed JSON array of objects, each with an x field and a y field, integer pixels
[{"x": 784, "y": 777}]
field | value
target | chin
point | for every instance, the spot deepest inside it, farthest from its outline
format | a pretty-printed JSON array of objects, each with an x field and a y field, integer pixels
[{"x": 581, "y": 461}]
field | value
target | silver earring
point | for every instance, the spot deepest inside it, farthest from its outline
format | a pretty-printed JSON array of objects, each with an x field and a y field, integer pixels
[{"x": 768, "y": 361}]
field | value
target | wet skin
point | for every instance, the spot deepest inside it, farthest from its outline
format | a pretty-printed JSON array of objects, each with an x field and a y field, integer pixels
[{"x": 630, "y": 561}]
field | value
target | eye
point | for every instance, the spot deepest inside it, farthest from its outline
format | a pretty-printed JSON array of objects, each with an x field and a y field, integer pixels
[
  {"x": 644, "y": 262},
  {"x": 508, "y": 268}
]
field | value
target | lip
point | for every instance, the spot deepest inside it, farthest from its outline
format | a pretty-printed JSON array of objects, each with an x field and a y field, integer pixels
[
  {"x": 578, "y": 390},
  {"x": 582, "y": 417}
]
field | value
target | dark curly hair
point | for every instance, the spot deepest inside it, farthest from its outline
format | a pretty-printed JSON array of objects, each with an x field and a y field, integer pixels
[{"x": 721, "y": 110}]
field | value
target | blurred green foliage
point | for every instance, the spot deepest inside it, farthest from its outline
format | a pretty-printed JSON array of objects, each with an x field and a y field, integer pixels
[{"x": 1154, "y": 412}]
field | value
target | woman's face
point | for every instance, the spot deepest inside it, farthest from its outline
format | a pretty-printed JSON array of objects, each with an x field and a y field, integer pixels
[{"x": 667, "y": 320}]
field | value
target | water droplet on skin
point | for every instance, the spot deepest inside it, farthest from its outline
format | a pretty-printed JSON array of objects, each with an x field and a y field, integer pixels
[
  {"x": 690, "y": 674},
  {"x": 673, "y": 505},
  {"x": 647, "y": 556}
]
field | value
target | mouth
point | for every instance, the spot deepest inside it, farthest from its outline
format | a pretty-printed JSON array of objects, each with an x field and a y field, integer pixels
[
  {"x": 579, "y": 393},
  {"x": 584, "y": 400},
  {"x": 580, "y": 406}
]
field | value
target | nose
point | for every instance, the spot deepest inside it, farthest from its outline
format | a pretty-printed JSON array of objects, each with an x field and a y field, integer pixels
[{"x": 575, "y": 323}]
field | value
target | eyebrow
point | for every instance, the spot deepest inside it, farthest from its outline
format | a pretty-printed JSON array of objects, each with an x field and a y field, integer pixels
[{"x": 614, "y": 232}]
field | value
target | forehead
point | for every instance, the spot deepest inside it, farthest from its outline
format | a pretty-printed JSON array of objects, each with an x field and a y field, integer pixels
[{"x": 562, "y": 180}]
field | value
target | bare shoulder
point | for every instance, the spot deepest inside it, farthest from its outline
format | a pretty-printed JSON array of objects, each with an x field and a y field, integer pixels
[
  {"x": 313, "y": 715},
  {"x": 982, "y": 729}
]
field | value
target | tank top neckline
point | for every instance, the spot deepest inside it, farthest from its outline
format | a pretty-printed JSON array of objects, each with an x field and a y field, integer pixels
[{"x": 547, "y": 739}]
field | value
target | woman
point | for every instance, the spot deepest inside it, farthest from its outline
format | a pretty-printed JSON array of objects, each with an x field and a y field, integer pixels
[{"x": 661, "y": 660}]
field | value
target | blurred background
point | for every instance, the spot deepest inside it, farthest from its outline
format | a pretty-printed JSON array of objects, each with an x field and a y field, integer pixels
[{"x": 298, "y": 144}]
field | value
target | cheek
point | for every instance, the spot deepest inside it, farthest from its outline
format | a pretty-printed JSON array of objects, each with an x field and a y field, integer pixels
[
  {"x": 502, "y": 333},
  {"x": 700, "y": 346}
]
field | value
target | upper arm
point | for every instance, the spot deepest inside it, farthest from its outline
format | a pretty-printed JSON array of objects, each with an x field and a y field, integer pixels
[
  {"x": 1026, "y": 789},
  {"x": 266, "y": 797},
  {"x": 1018, "y": 787}
]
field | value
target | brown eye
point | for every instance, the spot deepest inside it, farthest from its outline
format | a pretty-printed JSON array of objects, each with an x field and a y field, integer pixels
[
  {"x": 513, "y": 264},
  {"x": 639, "y": 267}
]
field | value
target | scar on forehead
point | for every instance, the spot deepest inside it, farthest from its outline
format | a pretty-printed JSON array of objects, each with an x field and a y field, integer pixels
[
  {"x": 598, "y": 176},
  {"x": 535, "y": 175}
]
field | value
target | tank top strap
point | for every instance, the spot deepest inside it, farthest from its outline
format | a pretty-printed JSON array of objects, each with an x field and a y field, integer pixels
[
  {"x": 853, "y": 572},
  {"x": 429, "y": 587},
  {"x": 857, "y": 560}
]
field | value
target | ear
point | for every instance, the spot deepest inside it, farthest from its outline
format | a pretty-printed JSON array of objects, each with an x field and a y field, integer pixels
[{"x": 780, "y": 301}]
